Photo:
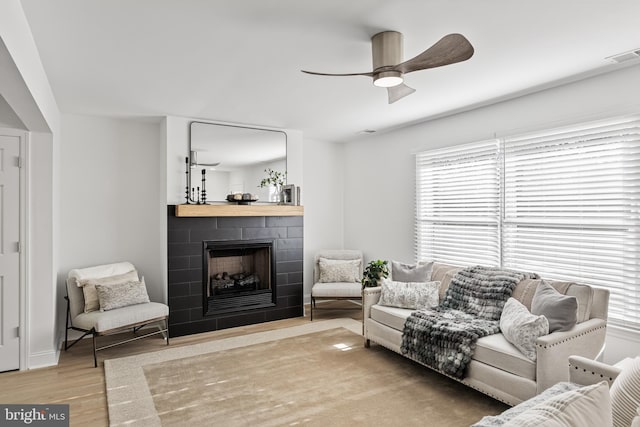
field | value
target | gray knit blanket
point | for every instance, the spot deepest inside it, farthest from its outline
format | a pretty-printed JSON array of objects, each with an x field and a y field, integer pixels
[{"x": 445, "y": 337}]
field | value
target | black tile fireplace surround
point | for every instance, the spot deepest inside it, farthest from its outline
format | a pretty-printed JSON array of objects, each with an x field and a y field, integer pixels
[{"x": 186, "y": 242}]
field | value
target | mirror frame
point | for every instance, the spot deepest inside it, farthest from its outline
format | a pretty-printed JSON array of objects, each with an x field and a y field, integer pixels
[{"x": 193, "y": 122}]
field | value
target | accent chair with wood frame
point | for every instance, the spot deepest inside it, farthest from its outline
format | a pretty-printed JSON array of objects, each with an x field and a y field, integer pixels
[
  {"x": 99, "y": 322},
  {"x": 337, "y": 290}
]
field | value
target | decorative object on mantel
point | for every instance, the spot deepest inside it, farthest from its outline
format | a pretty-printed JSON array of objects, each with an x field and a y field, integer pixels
[
  {"x": 289, "y": 194},
  {"x": 242, "y": 198},
  {"x": 276, "y": 179},
  {"x": 190, "y": 191}
]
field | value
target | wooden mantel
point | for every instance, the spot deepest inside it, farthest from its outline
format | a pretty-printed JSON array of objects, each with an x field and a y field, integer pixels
[{"x": 238, "y": 210}]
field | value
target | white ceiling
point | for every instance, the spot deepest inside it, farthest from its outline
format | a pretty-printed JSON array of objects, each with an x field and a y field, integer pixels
[{"x": 239, "y": 61}]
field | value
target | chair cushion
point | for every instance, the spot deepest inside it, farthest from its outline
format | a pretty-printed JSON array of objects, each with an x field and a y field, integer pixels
[
  {"x": 494, "y": 350},
  {"x": 337, "y": 289},
  {"x": 392, "y": 317},
  {"x": 104, "y": 321}
]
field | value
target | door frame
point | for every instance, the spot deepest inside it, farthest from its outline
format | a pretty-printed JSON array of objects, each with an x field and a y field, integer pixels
[
  {"x": 24, "y": 249},
  {"x": 23, "y": 259}
]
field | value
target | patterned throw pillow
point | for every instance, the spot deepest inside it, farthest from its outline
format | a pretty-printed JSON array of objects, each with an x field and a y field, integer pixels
[
  {"x": 122, "y": 295},
  {"x": 338, "y": 270},
  {"x": 522, "y": 328},
  {"x": 412, "y": 295},
  {"x": 91, "y": 302},
  {"x": 589, "y": 406}
]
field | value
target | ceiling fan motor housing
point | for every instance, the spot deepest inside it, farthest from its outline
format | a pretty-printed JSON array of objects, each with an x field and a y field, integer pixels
[{"x": 386, "y": 51}]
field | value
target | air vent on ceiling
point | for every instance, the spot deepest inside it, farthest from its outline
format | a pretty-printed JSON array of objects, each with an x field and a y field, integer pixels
[{"x": 626, "y": 56}]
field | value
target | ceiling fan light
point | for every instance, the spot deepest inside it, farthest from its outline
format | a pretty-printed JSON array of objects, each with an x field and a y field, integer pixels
[{"x": 388, "y": 79}]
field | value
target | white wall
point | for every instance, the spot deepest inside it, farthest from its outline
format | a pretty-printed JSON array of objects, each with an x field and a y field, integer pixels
[
  {"x": 112, "y": 197},
  {"x": 323, "y": 195},
  {"x": 24, "y": 86},
  {"x": 380, "y": 177}
]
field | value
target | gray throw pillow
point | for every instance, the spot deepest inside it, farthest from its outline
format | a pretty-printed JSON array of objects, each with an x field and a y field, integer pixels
[
  {"x": 560, "y": 310},
  {"x": 420, "y": 272}
]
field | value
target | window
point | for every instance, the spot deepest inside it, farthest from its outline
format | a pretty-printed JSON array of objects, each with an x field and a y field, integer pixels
[{"x": 568, "y": 208}]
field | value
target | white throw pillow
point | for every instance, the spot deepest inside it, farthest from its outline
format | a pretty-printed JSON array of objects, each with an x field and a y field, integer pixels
[
  {"x": 122, "y": 295},
  {"x": 522, "y": 328},
  {"x": 91, "y": 302},
  {"x": 588, "y": 406},
  {"x": 625, "y": 394},
  {"x": 413, "y": 295},
  {"x": 338, "y": 270}
]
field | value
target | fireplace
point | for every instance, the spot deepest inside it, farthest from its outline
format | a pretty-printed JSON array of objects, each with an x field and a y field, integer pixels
[
  {"x": 194, "y": 308},
  {"x": 237, "y": 275}
]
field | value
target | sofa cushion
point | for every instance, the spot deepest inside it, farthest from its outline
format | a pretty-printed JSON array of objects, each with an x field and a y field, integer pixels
[
  {"x": 414, "y": 295},
  {"x": 560, "y": 310},
  {"x": 392, "y": 317},
  {"x": 340, "y": 289},
  {"x": 420, "y": 272},
  {"x": 495, "y": 350}
]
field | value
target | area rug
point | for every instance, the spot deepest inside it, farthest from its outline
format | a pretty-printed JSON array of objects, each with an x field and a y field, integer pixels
[{"x": 316, "y": 374}]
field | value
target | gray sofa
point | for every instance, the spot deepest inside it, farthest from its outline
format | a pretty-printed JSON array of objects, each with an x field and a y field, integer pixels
[{"x": 497, "y": 368}]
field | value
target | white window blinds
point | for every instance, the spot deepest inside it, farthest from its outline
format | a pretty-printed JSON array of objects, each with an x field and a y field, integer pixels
[
  {"x": 458, "y": 209},
  {"x": 571, "y": 209},
  {"x": 563, "y": 203}
]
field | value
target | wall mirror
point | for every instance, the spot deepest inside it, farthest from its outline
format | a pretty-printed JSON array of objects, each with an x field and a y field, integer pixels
[{"x": 235, "y": 159}]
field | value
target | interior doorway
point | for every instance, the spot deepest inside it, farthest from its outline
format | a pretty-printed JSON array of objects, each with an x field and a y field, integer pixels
[{"x": 10, "y": 147}]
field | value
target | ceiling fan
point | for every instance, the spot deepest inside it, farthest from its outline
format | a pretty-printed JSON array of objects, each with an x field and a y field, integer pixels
[{"x": 388, "y": 68}]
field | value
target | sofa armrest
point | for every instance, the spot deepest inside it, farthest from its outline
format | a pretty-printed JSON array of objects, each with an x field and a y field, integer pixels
[
  {"x": 585, "y": 371},
  {"x": 585, "y": 339},
  {"x": 370, "y": 296}
]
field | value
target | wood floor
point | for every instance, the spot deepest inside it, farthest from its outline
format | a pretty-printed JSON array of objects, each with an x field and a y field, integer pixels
[{"x": 76, "y": 382}]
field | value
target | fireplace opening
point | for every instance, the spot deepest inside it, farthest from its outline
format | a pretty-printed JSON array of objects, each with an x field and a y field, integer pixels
[{"x": 238, "y": 275}]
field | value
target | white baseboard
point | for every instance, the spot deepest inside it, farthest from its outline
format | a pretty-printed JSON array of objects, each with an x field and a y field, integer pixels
[
  {"x": 620, "y": 343},
  {"x": 43, "y": 359}
]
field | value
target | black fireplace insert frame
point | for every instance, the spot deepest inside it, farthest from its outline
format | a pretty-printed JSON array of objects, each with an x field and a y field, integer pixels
[{"x": 217, "y": 245}]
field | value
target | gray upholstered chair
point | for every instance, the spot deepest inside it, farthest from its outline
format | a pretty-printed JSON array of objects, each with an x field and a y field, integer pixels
[
  {"x": 336, "y": 290},
  {"x": 97, "y": 322}
]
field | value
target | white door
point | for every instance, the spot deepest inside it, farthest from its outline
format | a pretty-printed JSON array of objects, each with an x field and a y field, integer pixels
[{"x": 9, "y": 255}]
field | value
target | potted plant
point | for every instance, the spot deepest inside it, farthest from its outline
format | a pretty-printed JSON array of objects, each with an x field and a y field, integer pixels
[
  {"x": 374, "y": 272},
  {"x": 276, "y": 179}
]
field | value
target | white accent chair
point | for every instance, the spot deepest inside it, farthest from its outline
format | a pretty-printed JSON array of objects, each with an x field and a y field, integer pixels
[
  {"x": 338, "y": 290},
  {"x": 98, "y": 323}
]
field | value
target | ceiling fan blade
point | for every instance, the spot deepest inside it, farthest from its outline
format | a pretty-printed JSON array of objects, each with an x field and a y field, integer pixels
[
  {"x": 338, "y": 75},
  {"x": 450, "y": 49},
  {"x": 398, "y": 92}
]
